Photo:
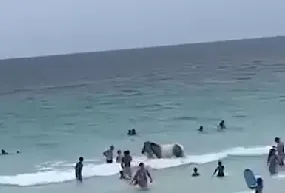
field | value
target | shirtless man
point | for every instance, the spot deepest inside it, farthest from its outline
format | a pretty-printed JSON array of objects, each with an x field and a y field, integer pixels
[
  {"x": 126, "y": 164},
  {"x": 141, "y": 176},
  {"x": 109, "y": 154},
  {"x": 220, "y": 169},
  {"x": 280, "y": 151}
]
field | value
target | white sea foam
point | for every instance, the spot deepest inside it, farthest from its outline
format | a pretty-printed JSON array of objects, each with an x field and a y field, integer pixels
[
  {"x": 55, "y": 175},
  {"x": 247, "y": 191}
]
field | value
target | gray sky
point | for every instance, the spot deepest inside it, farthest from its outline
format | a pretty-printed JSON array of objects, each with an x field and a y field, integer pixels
[{"x": 41, "y": 27}]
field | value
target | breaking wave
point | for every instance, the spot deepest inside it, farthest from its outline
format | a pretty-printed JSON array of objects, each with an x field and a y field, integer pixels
[{"x": 59, "y": 172}]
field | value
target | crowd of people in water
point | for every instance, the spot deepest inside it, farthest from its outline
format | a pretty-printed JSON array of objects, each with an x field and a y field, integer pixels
[
  {"x": 275, "y": 158},
  {"x": 141, "y": 175}
]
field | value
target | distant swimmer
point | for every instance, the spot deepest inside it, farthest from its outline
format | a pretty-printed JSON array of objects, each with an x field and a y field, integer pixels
[
  {"x": 126, "y": 164},
  {"x": 195, "y": 173},
  {"x": 280, "y": 150},
  {"x": 132, "y": 132},
  {"x": 109, "y": 154},
  {"x": 272, "y": 162},
  {"x": 141, "y": 177},
  {"x": 201, "y": 129},
  {"x": 78, "y": 169},
  {"x": 119, "y": 156},
  {"x": 220, "y": 169},
  {"x": 3, "y": 152},
  {"x": 222, "y": 125}
]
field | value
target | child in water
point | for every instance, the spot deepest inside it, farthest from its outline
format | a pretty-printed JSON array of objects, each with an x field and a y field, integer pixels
[
  {"x": 195, "y": 173},
  {"x": 119, "y": 156},
  {"x": 259, "y": 186},
  {"x": 78, "y": 169},
  {"x": 220, "y": 169}
]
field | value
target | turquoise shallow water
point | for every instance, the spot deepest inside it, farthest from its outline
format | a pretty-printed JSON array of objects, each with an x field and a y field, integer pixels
[{"x": 55, "y": 118}]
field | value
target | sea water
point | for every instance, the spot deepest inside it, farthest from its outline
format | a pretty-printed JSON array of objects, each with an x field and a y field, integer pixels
[{"x": 55, "y": 109}]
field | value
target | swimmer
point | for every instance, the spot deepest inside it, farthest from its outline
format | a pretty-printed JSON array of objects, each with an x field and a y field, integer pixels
[
  {"x": 195, "y": 173},
  {"x": 119, "y": 156},
  {"x": 126, "y": 164},
  {"x": 3, "y": 152},
  {"x": 272, "y": 162},
  {"x": 109, "y": 154},
  {"x": 134, "y": 132},
  {"x": 78, "y": 169},
  {"x": 201, "y": 129},
  {"x": 141, "y": 176},
  {"x": 280, "y": 151},
  {"x": 222, "y": 125},
  {"x": 220, "y": 169}
]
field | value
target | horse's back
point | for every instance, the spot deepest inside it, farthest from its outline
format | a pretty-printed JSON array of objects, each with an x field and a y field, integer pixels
[{"x": 167, "y": 150}]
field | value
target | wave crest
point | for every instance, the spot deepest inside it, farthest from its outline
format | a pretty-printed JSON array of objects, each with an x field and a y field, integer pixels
[{"x": 55, "y": 175}]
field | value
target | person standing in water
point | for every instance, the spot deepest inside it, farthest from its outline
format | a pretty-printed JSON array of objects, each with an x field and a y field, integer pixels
[
  {"x": 259, "y": 185},
  {"x": 201, "y": 129},
  {"x": 109, "y": 154},
  {"x": 195, "y": 173},
  {"x": 141, "y": 176},
  {"x": 222, "y": 125},
  {"x": 270, "y": 153},
  {"x": 272, "y": 162},
  {"x": 220, "y": 169},
  {"x": 126, "y": 164},
  {"x": 78, "y": 169},
  {"x": 280, "y": 150}
]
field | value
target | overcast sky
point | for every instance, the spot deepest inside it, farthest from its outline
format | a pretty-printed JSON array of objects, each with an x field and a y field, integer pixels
[{"x": 41, "y": 27}]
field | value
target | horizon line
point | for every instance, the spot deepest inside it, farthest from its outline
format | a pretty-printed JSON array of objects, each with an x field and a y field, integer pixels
[{"x": 140, "y": 48}]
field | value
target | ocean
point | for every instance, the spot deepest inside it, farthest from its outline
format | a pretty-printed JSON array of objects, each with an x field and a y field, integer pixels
[{"x": 57, "y": 108}]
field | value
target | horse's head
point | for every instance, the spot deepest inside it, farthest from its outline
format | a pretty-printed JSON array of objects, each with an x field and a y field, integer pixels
[{"x": 146, "y": 147}]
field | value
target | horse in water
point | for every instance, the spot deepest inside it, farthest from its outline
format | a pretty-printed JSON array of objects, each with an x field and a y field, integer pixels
[{"x": 154, "y": 150}]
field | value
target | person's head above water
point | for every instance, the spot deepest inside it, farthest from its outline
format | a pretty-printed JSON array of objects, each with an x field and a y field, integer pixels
[
  {"x": 141, "y": 165},
  {"x": 119, "y": 152},
  {"x": 201, "y": 128},
  {"x": 3, "y": 151},
  {"x": 112, "y": 147},
  {"x": 277, "y": 140},
  {"x": 81, "y": 159},
  {"x": 195, "y": 170},
  {"x": 219, "y": 163}
]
